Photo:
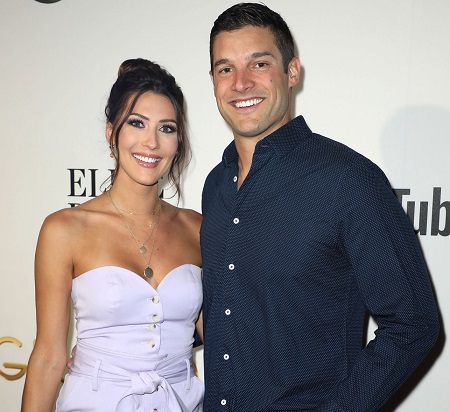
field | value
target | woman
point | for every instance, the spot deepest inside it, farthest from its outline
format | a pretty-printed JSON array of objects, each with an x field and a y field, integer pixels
[{"x": 131, "y": 264}]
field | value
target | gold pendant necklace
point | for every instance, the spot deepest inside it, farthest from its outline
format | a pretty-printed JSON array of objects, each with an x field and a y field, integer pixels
[{"x": 148, "y": 271}]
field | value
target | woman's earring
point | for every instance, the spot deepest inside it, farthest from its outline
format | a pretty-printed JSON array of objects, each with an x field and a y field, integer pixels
[{"x": 112, "y": 155}]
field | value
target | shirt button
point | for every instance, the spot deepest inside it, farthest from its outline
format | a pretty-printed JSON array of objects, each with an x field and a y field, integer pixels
[
  {"x": 226, "y": 356},
  {"x": 231, "y": 266},
  {"x": 235, "y": 179},
  {"x": 227, "y": 312},
  {"x": 155, "y": 299},
  {"x": 152, "y": 326},
  {"x": 151, "y": 344},
  {"x": 155, "y": 410},
  {"x": 235, "y": 220},
  {"x": 223, "y": 402},
  {"x": 155, "y": 318}
]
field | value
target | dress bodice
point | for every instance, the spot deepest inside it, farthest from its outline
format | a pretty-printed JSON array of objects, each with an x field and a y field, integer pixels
[{"x": 118, "y": 310}]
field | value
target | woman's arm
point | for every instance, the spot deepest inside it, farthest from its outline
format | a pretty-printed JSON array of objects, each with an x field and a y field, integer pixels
[{"x": 53, "y": 282}]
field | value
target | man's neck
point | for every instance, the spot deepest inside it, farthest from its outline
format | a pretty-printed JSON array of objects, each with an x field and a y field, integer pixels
[{"x": 245, "y": 148}]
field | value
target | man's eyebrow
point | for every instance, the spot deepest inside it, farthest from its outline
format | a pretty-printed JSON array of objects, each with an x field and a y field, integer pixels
[
  {"x": 220, "y": 62},
  {"x": 255, "y": 55}
]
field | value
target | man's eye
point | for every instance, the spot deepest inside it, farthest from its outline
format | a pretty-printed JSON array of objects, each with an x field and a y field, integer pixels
[
  {"x": 261, "y": 64},
  {"x": 225, "y": 70}
]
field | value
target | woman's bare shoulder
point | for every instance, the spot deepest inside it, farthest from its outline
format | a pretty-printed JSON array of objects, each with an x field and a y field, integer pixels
[
  {"x": 192, "y": 217},
  {"x": 186, "y": 217},
  {"x": 69, "y": 220}
]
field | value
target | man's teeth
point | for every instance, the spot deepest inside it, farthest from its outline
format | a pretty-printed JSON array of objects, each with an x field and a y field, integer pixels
[
  {"x": 248, "y": 103},
  {"x": 146, "y": 159}
]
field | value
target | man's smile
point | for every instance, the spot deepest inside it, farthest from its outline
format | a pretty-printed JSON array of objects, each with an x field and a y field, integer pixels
[{"x": 246, "y": 103}]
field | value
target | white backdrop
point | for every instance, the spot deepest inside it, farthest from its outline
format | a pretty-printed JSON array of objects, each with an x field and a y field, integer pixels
[{"x": 375, "y": 77}]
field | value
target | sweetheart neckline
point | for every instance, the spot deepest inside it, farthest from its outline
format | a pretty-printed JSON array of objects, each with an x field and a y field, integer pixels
[{"x": 136, "y": 274}]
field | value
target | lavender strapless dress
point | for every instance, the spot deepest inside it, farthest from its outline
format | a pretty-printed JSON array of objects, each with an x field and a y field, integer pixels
[{"x": 134, "y": 343}]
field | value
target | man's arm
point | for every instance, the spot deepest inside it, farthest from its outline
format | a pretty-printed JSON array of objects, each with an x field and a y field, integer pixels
[{"x": 381, "y": 246}]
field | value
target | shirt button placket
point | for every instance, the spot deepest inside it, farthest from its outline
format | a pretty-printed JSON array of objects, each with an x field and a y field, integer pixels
[
  {"x": 227, "y": 311},
  {"x": 231, "y": 267}
]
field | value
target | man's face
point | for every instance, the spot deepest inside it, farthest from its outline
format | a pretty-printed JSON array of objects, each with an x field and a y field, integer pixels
[{"x": 250, "y": 85}]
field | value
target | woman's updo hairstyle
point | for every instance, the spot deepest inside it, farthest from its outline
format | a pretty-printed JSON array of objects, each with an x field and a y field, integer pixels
[{"x": 136, "y": 77}]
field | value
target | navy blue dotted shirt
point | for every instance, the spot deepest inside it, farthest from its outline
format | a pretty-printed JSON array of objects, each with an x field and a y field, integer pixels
[{"x": 313, "y": 239}]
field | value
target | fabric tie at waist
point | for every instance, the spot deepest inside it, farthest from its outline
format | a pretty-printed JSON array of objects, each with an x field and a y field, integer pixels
[{"x": 166, "y": 370}]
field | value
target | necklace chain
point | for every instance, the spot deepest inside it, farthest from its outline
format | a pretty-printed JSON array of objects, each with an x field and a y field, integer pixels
[
  {"x": 148, "y": 271},
  {"x": 135, "y": 213}
]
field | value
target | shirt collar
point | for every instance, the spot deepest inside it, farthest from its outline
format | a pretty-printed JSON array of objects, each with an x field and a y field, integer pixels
[{"x": 281, "y": 141}]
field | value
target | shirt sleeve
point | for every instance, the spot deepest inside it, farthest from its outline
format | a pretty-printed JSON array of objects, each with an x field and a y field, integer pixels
[
  {"x": 208, "y": 188},
  {"x": 379, "y": 241}
]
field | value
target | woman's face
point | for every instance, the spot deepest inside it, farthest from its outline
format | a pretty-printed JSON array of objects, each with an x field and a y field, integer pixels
[{"x": 148, "y": 140}]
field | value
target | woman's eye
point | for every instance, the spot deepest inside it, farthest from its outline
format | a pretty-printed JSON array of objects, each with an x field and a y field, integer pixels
[
  {"x": 136, "y": 123},
  {"x": 168, "y": 129}
]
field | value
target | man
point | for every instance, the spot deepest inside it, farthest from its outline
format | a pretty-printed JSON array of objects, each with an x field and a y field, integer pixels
[{"x": 301, "y": 237}]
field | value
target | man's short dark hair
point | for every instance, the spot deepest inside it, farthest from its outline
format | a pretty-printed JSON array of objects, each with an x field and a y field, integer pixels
[{"x": 257, "y": 15}]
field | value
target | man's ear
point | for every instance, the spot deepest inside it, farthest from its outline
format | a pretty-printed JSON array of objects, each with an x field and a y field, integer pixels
[{"x": 294, "y": 71}]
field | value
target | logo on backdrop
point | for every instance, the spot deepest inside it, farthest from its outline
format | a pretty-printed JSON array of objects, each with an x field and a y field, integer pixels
[
  {"x": 87, "y": 183},
  {"x": 434, "y": 216},
  {"x": 12, "y": 366}
]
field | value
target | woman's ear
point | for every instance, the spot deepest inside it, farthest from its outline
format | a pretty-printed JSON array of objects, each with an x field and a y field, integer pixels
[{"x": 108, "y": 134}]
